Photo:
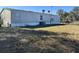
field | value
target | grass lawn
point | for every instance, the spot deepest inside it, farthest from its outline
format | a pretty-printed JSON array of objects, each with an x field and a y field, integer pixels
[
  {"x": 72, "y": 30},
  {"x": 62, "y": 28},
  {"x": 63, "y": 38}
]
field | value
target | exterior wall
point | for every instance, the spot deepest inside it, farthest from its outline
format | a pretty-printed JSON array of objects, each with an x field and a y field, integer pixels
[
  {"x": 6, "y": 17},
  {"x": 56, "y": 19},
  {"x": 23, "y": 18}
]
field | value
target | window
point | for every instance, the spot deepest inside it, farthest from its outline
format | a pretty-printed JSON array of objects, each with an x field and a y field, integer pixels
[
  {"x": 41, "y": 17},
  {"x": 51, "y": 20}
]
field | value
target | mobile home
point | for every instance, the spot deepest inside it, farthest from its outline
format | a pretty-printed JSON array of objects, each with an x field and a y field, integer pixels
[{"x": 14, "y": 17}]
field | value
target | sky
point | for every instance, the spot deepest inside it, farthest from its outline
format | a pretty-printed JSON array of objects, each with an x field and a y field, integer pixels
[{"x": 53, "y": 9}]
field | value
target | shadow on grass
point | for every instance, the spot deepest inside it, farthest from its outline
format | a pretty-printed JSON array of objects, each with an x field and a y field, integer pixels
[
  {"x": 42, "y": 26},
  {"x": 30, "y": 41}
]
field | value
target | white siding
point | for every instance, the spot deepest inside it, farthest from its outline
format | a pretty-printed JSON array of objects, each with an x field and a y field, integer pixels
[
  {"x": 20, "y": 18},
  {"x": 6, "y": 17},
  {"x": 23, "y": 18},
  {"x": 56, "y": 19}
]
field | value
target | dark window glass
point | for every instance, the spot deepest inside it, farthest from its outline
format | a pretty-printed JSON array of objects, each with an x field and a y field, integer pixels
[{"x": 41, "y": 17}]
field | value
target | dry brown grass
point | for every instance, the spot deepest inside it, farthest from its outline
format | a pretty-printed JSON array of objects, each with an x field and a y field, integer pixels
[
  {"x": 42, "y": 40},
  {"x": 72, "y": 30}
]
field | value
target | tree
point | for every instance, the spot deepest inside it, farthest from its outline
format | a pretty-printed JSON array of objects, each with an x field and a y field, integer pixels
[
  {"x": 62, "y": 15},
  {"x": 76, "y": 10},
  {"x": 60, "y": 12},
  {"x": 66, "y": 14},
  {"x": 69, "y": 16},
  {"x": 76, "y": 13}
]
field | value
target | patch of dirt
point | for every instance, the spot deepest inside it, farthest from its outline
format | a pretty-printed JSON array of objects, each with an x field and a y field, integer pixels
[{"x": 14, "y": 40}]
